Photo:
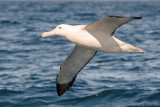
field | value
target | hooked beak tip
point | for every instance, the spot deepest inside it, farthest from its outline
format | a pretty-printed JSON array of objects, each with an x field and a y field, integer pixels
[
  {"x": 49, "y": 33},
  {"x": 43, "y": 35}
]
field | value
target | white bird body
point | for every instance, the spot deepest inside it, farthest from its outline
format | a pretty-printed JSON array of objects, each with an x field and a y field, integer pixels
[
  {"x": 98, "y": 42},
  {"x": 89, "y": 39}
]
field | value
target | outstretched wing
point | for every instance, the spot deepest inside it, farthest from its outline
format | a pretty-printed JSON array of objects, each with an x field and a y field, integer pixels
[
  {"x": 72, "y": 65},
  {"x": 108, "y": 25}
]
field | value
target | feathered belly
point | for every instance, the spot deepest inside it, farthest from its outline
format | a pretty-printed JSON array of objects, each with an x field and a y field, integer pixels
[
  {"x": 107, "y": 44},
  {"x": 99, "y": 43}
]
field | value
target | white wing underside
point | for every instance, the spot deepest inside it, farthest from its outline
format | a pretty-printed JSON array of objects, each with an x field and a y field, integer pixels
[{"x": 72, "y": 65}]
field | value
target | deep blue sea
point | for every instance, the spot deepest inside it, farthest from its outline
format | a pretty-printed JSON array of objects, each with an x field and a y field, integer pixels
[{"x": 29, "y": 63}]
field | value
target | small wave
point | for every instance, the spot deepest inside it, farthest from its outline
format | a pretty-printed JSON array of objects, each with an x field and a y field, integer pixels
[
  {"x": 6, "y": 104},
  {"x": 4, "y": 92},
  {"x": 85, "y": 14},
  {"x": 9, "y": 22},
  {"x": 51, "y": 10}
]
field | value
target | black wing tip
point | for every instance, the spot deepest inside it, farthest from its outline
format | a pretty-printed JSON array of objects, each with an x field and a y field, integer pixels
[
  {"x": 62, "y": 88},
  {"x": 124, "y": 17},
  {"x": 136, "y": 17},
  {"x": 115, "y": 16}
]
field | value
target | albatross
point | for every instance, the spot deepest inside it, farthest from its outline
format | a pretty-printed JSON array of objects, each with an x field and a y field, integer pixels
[{"x": 89, "y": 39}]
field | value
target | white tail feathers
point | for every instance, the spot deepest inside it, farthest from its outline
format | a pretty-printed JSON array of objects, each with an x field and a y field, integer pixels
[
  {"x": 131, "y": 48},
  {"x": 141, "y": 51}
]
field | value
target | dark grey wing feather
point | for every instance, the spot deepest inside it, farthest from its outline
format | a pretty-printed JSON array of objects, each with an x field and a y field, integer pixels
[
  {"x": 72, "y": 65},
  {"x": 108, "y": 25}
]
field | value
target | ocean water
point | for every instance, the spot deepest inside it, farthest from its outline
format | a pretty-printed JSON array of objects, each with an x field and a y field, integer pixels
[{"x": 29, "y": 63}]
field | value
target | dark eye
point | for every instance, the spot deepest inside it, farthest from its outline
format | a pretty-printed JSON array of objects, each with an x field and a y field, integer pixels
[{"x": 59, "y": 27}]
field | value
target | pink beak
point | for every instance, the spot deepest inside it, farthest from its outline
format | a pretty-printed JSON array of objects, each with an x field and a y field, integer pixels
[{"x": 52, "y": 32}]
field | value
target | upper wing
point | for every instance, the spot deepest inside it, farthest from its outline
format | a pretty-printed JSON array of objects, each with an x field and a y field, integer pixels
[
  {"x": 74, "y": 63},
  {"x": 108, "y": 25}
]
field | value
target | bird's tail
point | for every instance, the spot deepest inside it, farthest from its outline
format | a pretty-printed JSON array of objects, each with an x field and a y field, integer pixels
[
  {"x": 141, "y": 50},
  {"x": 131, "y": 48}
]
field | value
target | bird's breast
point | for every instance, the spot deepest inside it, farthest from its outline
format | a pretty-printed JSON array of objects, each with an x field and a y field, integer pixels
[
  {"x": 85, "y": 39},
  {"x": 97, "y": 42}
]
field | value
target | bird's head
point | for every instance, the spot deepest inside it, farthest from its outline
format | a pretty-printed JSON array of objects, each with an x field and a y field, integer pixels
[{"x": 61, "y": 30}]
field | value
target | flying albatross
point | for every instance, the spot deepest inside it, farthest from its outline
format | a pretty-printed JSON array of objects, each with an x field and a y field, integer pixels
[{"x": 89, "y": 39}]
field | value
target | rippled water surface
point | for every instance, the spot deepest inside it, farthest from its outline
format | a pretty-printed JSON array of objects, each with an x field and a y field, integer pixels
[{"x": 29, "y": 63}]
